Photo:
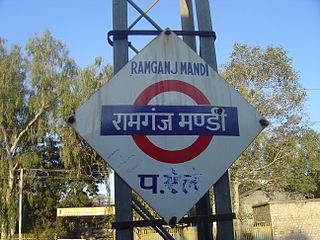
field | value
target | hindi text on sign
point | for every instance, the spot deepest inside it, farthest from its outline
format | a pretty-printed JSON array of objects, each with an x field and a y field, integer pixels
[{"x": 169, "y": 120}]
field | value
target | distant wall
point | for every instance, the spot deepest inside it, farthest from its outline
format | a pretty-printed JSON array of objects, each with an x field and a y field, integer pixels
[
  {"x": 293, "y": 219},
  {"x": 259, "y": 196}
]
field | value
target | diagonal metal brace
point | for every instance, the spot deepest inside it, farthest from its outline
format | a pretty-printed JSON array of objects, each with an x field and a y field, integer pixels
[
  {"x": 145, "y": 11},
  {"x": 146, "y": 215},
  {"x": 144, "y": 15}
]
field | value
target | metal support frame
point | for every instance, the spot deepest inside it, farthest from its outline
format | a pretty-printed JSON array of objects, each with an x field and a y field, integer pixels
[
  {"x": 222, "y": 187},
  {"x": 124, "y": 200},
  {"x": 123, "y": 34},
  {"x": 207, "y": 48},
  {"x": 120, "y": 58},
  {"x": 147, "y": 216},
  {"x": 156, "y": 26},
  {"x": 156, "y": 228},
  {"x": 223, "y": 205},
  {"x": 188, "y": 220},
  {"x": 203, "y": 207},
  {"x": 145, "y": 12},
  {"x": 187, "y": 22}
]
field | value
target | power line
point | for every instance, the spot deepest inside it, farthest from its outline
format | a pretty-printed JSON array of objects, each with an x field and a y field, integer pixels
[
  {"x": 82, "y": 177},
  {"x": 52, "y": 170}
]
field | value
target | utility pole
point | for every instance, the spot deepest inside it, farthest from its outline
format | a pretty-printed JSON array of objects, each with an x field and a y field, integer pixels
[
  {"x": 20, "y": 203},
  {"x": 123, "y": 193}
]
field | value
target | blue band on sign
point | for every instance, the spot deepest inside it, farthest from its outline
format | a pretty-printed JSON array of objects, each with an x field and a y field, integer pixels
[{"x": 169, "y": 120}]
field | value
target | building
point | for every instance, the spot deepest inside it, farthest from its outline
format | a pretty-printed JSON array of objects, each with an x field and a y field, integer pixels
[
  {"x": 258, "y": 196},
  {"x": 290, "y": 219}
]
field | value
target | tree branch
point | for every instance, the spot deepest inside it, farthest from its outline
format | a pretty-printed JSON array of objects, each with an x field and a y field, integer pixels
[
  {"x": 33, "y": 120},
  {"x": 276, "y": 158},
  {"x": 5, "y": 138},
  {"x": 7, "y": 146}
]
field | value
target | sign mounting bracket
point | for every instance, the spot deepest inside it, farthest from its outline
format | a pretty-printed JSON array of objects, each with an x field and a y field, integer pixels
[{"x": 123, "y": 34}]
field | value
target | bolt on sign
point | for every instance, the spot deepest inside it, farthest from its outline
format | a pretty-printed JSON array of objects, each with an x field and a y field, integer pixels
[{"x": 168, "y": 124}]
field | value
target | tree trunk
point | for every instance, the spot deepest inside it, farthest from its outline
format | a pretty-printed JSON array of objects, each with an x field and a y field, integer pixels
[
  {"x": 8, "y": 227},
  {"x": 236, "y": 204}
]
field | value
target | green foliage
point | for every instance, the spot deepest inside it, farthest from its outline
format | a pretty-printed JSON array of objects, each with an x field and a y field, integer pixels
[
  {"x": 73, "y": 225},
  {"x": 302, "y": 170},
  {"x": 43, "y": 189},
  {"x": 266, "y": 79},
  {"x": 39, "y": 91},
  {"x": 286, "y": 154},
  {"x": 13, "y": 117}
]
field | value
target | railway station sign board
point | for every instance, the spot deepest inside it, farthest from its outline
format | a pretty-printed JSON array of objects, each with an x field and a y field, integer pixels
[
  {"x": 168, "y": 124},
  {"x": 85, "y": 211}
]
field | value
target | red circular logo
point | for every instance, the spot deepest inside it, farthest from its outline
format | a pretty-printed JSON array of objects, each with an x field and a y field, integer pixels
[{"x": 172, "y": 156}]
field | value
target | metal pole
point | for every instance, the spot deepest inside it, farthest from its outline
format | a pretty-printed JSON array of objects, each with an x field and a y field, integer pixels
[
  {"x": 120, "y": 58},
  {"x": 207, "y": 49},
  {"x": 187, "y": 22},
  {"x": 222, "y": 187},
  {"x": 20, "y": 204},
  {"x": 223, "y": 205},
  {"x": 203, "y": 207}
]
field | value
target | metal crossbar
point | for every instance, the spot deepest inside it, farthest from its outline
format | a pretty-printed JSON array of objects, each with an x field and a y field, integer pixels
[
  {"x": 123, "y": 34},
  {"x": 187, "y": 220}
]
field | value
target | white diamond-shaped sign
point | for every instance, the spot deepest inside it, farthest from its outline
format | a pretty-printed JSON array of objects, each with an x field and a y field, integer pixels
[{"x": 168, "y": 124}]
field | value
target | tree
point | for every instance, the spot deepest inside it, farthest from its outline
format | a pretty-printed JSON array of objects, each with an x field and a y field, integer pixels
[
  {"x": 11, "y": 76},
  {"x": 75, "y": 153},
  {"x": 45, "y": 184},
  {"x": 302, "y": 169},
  {"x": 38, "y": 92},
  {"x": 266, "y": 79},
  {"x": 27, "y": 100}
]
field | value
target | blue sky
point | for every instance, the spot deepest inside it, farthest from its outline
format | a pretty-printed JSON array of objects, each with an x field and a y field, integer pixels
[{"x": 83, "y": 24}]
